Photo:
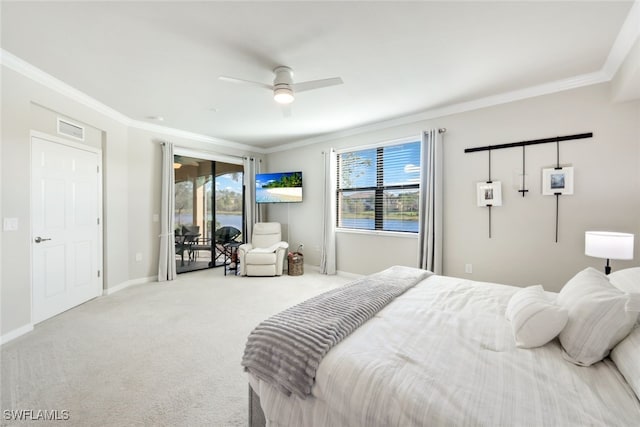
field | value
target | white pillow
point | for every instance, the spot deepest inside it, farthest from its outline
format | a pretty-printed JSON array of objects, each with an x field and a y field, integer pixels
[
  {"x": 627, "y": 280},
  {"x": 535, "y": 318},
  {"x": 600, "y": 316},
  {"x": 626, "y": 356}
]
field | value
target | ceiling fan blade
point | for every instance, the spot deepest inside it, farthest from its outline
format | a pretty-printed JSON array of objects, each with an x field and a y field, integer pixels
[
  {"x": 316, "y": 84},
  {"x": 185, "y": 161},
  {"x": 247, "y": 82}
]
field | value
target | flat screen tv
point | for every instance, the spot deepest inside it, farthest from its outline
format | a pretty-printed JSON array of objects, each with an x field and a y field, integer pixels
[{"x": 280, "y": 187}]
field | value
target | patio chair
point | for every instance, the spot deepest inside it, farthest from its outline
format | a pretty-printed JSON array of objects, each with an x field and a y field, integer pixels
[
  {"x": 184, "y": 241},
  {"x": 223, "y": 236}
]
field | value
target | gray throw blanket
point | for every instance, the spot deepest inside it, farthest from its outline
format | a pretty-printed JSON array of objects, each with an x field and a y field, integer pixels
[{"x": 286, "y": 349}]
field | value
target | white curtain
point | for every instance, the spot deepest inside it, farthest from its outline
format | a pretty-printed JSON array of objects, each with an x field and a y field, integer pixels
[
  {"x": 167, "y": 258},
  {"x": 328, "y": 255},
  {"x": 252, "y": 211},
  {"x": 430, "y": 229}
]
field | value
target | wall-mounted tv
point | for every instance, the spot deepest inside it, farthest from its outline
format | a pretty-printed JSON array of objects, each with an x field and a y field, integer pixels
[{"x": 280, "y": 187}]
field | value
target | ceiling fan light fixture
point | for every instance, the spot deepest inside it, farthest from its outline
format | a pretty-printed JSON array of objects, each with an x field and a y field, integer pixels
[
  {"x": 283, "y": 95},
  {"x": 283, "y": 87}
]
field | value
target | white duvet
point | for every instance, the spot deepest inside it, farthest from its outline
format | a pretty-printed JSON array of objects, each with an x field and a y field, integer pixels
[{"x": 443, "y": 354}]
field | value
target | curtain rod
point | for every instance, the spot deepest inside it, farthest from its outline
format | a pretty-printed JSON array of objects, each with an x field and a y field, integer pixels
[
  {"x": 531, "y": 142},
  {"x": 190, "y": 148}
]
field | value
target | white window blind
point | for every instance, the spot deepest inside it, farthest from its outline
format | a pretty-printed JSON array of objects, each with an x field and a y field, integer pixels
[{"x": 378, "y": 188}]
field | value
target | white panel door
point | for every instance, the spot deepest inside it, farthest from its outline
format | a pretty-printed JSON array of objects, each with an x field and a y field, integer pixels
[{"x": 65, "y": 189}]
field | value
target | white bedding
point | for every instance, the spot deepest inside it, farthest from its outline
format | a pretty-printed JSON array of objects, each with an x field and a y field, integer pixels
[{"x": 443, "y": 354}]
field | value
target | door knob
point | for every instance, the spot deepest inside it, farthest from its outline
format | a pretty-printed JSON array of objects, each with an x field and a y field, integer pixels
[{"x": 40, "y": 239}]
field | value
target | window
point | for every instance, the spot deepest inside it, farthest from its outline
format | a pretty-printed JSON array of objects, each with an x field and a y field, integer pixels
[{"x": 378, "y": 188}]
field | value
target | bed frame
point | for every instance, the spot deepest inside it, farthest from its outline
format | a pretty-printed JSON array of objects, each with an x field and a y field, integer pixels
[{"x": 256, "y": 415}]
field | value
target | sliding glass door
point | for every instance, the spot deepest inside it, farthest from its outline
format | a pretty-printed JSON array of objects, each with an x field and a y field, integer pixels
[
  {"x": 208, "y": 197},
  {"x": 228, "y": 213}
]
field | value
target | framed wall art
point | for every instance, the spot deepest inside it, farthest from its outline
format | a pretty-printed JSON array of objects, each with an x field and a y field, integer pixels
[
  {"x": 557, "y": 181},
  {"x": 489, "y": 193}
]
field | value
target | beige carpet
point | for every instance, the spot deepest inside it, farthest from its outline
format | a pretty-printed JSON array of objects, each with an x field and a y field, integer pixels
[{"x": 150, "y": 355}]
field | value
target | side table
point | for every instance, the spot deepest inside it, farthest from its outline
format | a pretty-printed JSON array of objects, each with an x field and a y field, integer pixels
[{"x": 231, "y": 257}]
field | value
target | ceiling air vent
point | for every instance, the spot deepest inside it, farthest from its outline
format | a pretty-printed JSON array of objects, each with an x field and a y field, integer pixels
[{"x": 70, "y": 129}]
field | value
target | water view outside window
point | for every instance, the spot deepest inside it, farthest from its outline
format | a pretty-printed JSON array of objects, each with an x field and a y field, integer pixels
[
  {"x": 378, "y": 188},
  {"x": 229, "y": 200}
]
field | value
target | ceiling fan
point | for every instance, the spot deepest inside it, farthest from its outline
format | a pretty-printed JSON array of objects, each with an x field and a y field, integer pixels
[
  {"x": 179, "y": 161},
  {"x": 283, "y": 86}
]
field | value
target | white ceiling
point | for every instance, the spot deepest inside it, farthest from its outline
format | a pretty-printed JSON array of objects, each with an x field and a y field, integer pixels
[{"x": 396, "y": 58}]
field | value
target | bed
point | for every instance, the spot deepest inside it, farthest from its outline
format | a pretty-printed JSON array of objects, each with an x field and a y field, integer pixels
[{"x": 443, "y": 353}]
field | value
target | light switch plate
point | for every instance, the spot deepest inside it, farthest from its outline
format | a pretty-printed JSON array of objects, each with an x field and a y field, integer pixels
[{"x": 10, "y": 224}]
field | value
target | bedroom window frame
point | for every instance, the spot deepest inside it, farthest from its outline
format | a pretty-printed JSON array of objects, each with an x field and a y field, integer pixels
[{"x": 378, "y": 189}]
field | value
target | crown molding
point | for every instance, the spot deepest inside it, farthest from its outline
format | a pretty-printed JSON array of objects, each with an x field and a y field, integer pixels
[
  {"x": 179, "y": 133},
  {"x": 489, "y": 101},
  {"x": 627, "y": 36},
  {"x": 24, "y": 68},
  {"x": 37, "y": 75}
]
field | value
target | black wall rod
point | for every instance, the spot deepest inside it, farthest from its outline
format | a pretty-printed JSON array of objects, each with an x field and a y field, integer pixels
[{"x": 532, "y": 142}]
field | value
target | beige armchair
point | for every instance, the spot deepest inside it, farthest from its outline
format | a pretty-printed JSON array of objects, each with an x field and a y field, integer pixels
[{"x": 266, "y": 253}]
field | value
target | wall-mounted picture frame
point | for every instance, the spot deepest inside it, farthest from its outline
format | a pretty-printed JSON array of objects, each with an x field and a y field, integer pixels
[
  {"x": 557, "y": 181},
  {"x": 489, "y": 193}
]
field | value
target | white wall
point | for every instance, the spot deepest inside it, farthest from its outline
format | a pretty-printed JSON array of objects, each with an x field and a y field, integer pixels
[
  {"x": 626, "y": 85},
  {"x": 131, "y": 190},
  {"x": 27, "y": 106},
  {"x": 522, "y": 250},
  {"x": 144, "y": 160},
  {"x": 357, "y": 252}
]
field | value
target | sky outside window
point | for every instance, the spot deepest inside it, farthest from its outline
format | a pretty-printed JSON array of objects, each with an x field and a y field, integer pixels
[{"x": 401, "y": 166}]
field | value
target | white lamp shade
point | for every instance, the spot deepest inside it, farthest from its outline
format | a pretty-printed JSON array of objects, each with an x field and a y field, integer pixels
[{"x": 608, "y": 244}]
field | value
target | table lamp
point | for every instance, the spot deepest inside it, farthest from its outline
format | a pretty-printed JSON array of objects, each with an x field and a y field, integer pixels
[{"x": 608, "y": 245}]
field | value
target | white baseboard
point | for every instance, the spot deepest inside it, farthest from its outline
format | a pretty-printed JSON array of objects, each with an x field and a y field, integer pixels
[
  {"x": 124, "y": 285},
  {"x": 11, "y": 335},
  {"x": 346, "y": 274},
  {"x": 349, "y": 275},
  {"x": 311, "y": 267}
]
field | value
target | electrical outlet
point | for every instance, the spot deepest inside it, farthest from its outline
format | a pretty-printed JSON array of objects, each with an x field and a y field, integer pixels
[{"x": 468, "y": 268}]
